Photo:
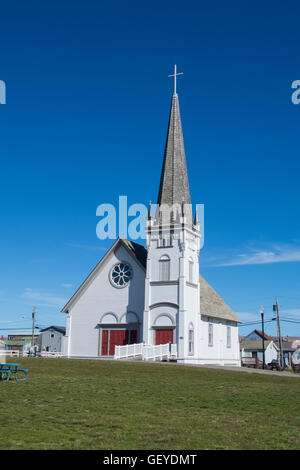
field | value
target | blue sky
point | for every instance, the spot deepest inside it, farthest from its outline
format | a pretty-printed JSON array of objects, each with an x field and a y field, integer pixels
[{"x": 88, "y": 99}]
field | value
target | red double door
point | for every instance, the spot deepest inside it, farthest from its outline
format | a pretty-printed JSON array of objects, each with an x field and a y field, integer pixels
[
  {"x": 112, "y": 338},
  {"x": 163, "y": 336}
]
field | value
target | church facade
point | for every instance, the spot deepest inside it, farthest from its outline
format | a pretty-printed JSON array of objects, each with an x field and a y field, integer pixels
[{"x": 155, "y": 294}]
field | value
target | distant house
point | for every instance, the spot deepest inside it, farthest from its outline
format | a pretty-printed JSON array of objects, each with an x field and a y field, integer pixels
[
  {"x": 289, "y": 345},
  {"x": 21, "y": 341},
  {"x": 291, "y": 338},
  {"x": 254, "y": 348},
  {"x": 288, "y": 348},
  {"x": 51, "y": 338}
]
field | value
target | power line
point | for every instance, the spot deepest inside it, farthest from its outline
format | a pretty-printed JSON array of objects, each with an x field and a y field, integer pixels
[
  {"x": 18, "y": 329},
  {"x": 291, "y": 321},
  {"x": 291, "y": 318},
  {"x": 255, "y": 323}
]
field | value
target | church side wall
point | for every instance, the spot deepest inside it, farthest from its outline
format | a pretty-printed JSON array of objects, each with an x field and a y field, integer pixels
[{"x": 218, "y": 352}]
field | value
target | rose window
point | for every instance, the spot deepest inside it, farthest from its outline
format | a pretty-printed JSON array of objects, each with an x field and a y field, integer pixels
[{"x": 121, "y": 274}]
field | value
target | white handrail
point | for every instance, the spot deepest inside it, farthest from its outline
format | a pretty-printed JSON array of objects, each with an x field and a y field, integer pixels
[
  {"x": 147, "y": 351},
  {"x": 17, "y": 353},
  {"x": 160, "y": 351},
  {"x": 174, "y": 350},
  {"x": 128, "y": 350},
  {"x": 51, "y": 354},
  {"x": 10, "y": 352}
]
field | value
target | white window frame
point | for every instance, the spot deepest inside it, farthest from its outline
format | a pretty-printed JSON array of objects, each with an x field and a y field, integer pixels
[
  {"x": 191, "y": 270},
  {"x": 191, "y": 340},
  {"x": 210, "y": 334},
  {"x": 228, "y": 340},
  {"x": 164, "y": 268}
]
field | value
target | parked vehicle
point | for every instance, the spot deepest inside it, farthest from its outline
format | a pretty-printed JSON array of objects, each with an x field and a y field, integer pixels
[
  {"x": 275, "y": 364},
  {"x": 296, "y": 361}
]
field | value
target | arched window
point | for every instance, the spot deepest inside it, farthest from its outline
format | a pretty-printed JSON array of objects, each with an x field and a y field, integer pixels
[
  {"x": 164, "y": 268},
  {"x": 191, "y": 339},
  {"x": 109, "y": 317}
]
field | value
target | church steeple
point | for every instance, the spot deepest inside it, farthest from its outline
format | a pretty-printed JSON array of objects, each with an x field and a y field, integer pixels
[{"x": 174, "y": 185}]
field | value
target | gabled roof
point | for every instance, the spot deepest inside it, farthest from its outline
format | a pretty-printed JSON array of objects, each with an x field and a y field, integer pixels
[
  {"x": 212, "y": 305},
  {"x": 139, "y": 252},
  {"x": 257, "y": 334},
  {"x": 255, "y": 345},
  {"x": 61, "y": 329},
  {"x": 261, "y": 334}
]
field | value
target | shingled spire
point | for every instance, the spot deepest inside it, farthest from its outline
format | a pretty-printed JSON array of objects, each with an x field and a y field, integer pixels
[{"x": 174, "y": 185}]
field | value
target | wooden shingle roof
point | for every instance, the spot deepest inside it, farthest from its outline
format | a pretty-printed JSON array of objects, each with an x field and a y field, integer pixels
[
  {"x": 212, "y": 305},
  {"x": 254, "y": 345},
  {"x": 174, "y": 184}
]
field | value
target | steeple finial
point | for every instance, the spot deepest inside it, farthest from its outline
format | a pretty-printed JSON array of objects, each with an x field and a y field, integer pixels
[
  {"x": 175, "y": 74},
  {"x": 149, "y": 211}
]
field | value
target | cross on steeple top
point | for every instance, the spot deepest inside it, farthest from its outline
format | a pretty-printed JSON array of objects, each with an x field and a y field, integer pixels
[{"x": 175, "y": 74}]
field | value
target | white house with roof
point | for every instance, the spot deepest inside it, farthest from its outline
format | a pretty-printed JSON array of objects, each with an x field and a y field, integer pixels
[
  {"x": 155, "y": 294},
  {"x": 51, "y": 338},
  {"x": 254, "y": 348}
]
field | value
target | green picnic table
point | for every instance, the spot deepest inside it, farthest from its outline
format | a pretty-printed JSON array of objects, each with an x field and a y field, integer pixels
[{"x": 10, "y": 370}]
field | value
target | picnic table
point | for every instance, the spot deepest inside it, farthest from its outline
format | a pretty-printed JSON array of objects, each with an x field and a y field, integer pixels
[{"x": 11, "y": 370}]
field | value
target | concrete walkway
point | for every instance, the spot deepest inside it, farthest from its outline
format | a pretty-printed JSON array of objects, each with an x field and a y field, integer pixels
[{"x": 248, "y": 370}]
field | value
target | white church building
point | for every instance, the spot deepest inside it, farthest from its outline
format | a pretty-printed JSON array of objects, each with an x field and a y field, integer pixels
[{"x": 155, "y": 294}]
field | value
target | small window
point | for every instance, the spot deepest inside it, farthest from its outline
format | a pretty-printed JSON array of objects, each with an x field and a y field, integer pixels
[
  {"x": 191, "y": 340},
  {"x": 164, "y": 268},
  {"x": 228, "y": 337},
  {"x": 52, "y": 335},
  {"x": 191, "y": 271},
  {"x": 210, "y": 334}
]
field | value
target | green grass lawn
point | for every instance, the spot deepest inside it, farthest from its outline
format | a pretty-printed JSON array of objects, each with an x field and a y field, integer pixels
[{"x": 84, "y": 404}]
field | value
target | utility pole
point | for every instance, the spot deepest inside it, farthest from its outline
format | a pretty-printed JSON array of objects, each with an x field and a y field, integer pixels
[
  {"x": 33, "y": 320},
  {"x": 262, "y": 311},
  {"x": 276, "y": 309}
]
